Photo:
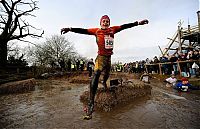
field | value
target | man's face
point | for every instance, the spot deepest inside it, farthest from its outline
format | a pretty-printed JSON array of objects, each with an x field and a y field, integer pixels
[
  {"x": 195, "y": 52},
  {"x": 184, "y": 82},
  {"x": 105, "y": 23}
]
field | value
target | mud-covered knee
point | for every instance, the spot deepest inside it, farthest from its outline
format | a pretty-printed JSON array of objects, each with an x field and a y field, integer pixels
[{"x": 98, "y": 72}]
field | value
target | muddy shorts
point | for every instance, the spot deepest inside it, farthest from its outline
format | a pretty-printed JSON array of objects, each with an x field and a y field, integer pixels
[{"x": 103, "y": 63}]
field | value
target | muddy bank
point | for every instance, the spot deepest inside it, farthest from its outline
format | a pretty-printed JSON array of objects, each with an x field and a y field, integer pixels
[
  {"x": 27, "y": 85},
  {"x": 18, "y": 86}
]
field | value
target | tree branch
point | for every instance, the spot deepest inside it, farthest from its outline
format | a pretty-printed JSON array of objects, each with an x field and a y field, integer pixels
[
  {"x": 25, "y": 35},
  {"x": 13, "y": 22},
  {"x": 5, "y": 5}
]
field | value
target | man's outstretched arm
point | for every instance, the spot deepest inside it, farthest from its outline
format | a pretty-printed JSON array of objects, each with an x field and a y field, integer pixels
[
  {"x": 75, "y": 30},
  {"x": 136, "y": 23}
]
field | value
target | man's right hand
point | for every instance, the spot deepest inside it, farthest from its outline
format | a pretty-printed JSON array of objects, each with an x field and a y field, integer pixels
[
  {"x": 65, "y": 30},
  {"x": 143, "y": 22}
]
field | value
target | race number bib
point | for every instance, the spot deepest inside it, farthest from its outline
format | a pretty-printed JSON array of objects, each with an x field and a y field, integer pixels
[
  {"x": 90, "y": 65},
  {"x": 108, "y": 42}
]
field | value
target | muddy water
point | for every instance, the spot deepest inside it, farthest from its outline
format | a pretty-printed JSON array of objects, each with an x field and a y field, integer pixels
[{"x": 57, "y": 105}]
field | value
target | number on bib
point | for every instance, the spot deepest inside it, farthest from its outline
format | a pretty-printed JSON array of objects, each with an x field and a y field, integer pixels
[{"x": 109, "y": 42}]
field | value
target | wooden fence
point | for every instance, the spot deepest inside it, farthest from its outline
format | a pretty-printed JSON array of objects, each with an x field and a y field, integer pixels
[{"x": 171, "y": 63}]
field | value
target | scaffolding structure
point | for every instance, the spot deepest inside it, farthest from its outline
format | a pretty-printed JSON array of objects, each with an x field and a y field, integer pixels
[{"x": 184, "y": 39}]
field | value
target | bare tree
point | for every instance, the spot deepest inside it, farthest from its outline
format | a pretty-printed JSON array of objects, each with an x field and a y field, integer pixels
[
  {"x": 54, "y": 50},
  {"x": 13, "y": 49},
  {"x": 13, "y": 25}
]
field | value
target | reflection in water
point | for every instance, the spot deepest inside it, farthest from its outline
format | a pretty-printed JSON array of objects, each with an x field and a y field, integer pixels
[
  {"x": 60, "y": 107},
  {"x": 136, "y": 114}
]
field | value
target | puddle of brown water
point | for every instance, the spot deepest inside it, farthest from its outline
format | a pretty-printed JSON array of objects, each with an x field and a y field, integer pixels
[{"x": 60, "y": 107}]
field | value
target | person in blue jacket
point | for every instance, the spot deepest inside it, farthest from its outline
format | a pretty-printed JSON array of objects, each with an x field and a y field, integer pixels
[{"x": 184, "y": 85}]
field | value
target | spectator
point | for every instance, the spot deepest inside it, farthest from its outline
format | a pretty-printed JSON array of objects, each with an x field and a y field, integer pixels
[
  {"x": 77, "y": 64},
  {"x": 183, "y": 65},
  {"x": 164, "y": 67},
  {"x": 82, "y": 63},
  {"x": 184, "y": 85},
  {"x": 145, "y": 78},
  {"x": 69, "y": 65},
  {"x": 173, "y": 59},
  {"x": 156, "y": 67},
  {"x": 171, "y": 81},
  {"x": 196, "y": 55}
]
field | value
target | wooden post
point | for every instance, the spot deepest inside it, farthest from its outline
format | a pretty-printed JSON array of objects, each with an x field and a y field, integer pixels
[
  {"x": 161, "y": 50},
  {"x": 160, "y": 70},
  {"x": 189, "y": 38},
  {"x": 179, "y": 68},
  {"x": 198, "y": 16},
  {"x": 179, "y": 38},
  {"x": 189, "y": 29},
  {"x": 146, "y": 68}
]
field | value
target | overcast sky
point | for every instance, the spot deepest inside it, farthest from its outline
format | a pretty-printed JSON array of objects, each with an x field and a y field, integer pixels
[{"x": 137, "y": 43}]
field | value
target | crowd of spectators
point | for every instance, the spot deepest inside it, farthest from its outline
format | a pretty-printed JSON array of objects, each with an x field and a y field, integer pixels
[
  {"x": 188, "y": 60},
  {"x": 185, "y": 63}
]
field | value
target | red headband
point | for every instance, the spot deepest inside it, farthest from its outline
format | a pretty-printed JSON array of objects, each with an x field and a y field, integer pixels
[
  {"x": 184, "y": 79},
  {"x": 104, "y": 17}
]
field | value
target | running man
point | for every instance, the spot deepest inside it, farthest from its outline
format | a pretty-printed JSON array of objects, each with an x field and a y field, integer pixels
[{"x": 105, "y": 41}]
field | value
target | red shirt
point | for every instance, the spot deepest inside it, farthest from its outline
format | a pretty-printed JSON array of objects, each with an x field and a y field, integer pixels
[
  {"x": 104, "y": 37},
  {"x": 100, "y": 35}
]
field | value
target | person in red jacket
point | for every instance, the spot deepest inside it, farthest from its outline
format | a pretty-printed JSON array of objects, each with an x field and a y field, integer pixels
[{"x": 105, "y": 41}]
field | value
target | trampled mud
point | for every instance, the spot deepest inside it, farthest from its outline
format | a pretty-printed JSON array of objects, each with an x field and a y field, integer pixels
[{"x": 56, "y": 104}]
